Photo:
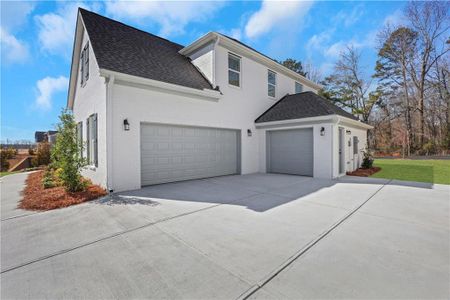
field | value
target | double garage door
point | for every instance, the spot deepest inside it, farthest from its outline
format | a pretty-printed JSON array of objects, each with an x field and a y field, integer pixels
[
  {"x": 173, "y": 153},
  {"x": 290, "y": 151}
]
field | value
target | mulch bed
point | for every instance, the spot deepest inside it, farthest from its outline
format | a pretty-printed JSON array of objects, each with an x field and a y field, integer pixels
[
  {"x": 364, "y": 172},
  {"x": 35, "y": 197}
]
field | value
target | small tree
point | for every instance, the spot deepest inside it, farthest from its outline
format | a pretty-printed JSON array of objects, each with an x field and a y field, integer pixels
[
  {"x": 66, "y": 153},
  {"x": 43, "y": 154}
]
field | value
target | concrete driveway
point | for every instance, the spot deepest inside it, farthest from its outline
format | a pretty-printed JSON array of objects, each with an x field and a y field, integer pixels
[{"x": 254, "y": 236}]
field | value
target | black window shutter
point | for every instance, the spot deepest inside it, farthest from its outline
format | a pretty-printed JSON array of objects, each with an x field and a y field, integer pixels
[
  {"x": 82, "y": 67},
  {"x": 86, "y": 59},
  {"x": 95, "y": 139},
  {"x": 80, "y": 136},
  {"x": 88, "y": 139}
]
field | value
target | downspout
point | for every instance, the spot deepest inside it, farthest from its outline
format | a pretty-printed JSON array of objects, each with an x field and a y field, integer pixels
[
  {"x": 214, "y": 61},
  {"x": 109, "y": 132}
]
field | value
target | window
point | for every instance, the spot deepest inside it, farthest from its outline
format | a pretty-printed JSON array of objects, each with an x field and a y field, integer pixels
[
  {"x": 298, "y": 87},
  {"x": 80, "y": 135},
  {"x": 85, "y": 64},
  {"x": 271, "y": 83},
  {"x": 355, "y": 145},
  {"x": 234, "y": 70},
  {"x": 91, "y": 145}
]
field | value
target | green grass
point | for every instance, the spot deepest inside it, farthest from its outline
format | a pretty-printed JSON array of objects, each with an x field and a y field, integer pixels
[
  {"x": 433, "y": 171},
  {"x": 6, "y": 173}
]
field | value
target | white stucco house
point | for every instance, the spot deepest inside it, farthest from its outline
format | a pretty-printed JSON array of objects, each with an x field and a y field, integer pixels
[{"x": 152, "y": 111}]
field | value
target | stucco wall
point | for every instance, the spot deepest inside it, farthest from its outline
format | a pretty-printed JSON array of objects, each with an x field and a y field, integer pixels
[{"x": 90, "y": 99}]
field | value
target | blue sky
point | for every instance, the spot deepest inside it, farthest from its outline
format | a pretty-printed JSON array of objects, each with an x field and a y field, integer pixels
[{"x": 37, "y": 38}]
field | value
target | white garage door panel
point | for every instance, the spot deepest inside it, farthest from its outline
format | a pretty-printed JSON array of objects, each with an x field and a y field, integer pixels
[
  {"x": 290, "y": 151},
  {"x": 174, "y": 153}
]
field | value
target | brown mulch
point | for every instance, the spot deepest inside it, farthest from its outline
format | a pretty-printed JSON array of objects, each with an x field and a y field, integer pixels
[
  {"x": 35, "y": 197},
  {"x": 364, "y": 172}
]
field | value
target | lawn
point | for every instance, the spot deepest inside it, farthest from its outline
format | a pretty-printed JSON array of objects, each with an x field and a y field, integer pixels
[
  {"x": 6, "y": 173},
  {"x": 434, "y": 171}
]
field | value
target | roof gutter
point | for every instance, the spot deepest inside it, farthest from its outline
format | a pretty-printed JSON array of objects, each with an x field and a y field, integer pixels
[
  {"x": 159, "y": 85},
  {"x": 319, "y": 119},
  {"x": 355, "y": 123},
  {"x": 335, "y": 119}
]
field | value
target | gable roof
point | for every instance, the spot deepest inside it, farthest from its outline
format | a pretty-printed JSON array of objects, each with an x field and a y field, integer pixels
[
  {"x": 243, "y": 49},
  {"x": 301, "y": 105},
  {"x": 125, "y": 49}
]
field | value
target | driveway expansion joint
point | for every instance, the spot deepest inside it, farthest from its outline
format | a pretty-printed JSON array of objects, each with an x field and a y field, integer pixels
[{"x": 305, "y": 249}]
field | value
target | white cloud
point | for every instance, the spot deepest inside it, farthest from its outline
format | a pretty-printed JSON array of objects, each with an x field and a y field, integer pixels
[
  {"x": 57, "y": 29},
  {"x": 349, "y": 18},
  {"x": 47, "y": 87},
  {"x": 15, "y": 13},
  {"x": 13, "y": 50},
  {"x": 171, "y": 16},
  {"x": 336, "y": 49},
  {"x": 273, "y": 13},
  {"x": 317, "y": 41},
  {"x": 394, "y": 19}
]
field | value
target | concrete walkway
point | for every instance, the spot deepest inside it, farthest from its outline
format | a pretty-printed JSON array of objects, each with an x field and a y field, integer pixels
[{"x": 253, "y": 236}]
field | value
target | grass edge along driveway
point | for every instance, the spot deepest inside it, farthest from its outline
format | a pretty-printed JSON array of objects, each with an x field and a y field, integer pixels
[{"x": 424, "y": 170}]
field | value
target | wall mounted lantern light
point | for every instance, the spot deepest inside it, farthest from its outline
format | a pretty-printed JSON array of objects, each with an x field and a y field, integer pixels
[
  {"x": 322, "y": 131},
  {"x": 126, "y": 125},
  {"x": 249, "y": 132}
]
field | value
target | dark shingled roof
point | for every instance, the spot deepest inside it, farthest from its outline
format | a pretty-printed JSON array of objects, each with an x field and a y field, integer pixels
[
  {"x": 301, "y": 105},
  {"x": 122, "y": 48}
]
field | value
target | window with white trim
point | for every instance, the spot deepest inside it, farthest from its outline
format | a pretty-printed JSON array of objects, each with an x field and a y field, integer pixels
[
  {"x": 234, "y": 70},
  {"x": 271, "y": 83},
  {"x": 298, "y": 87},
  {"x": 84, "y": 64},
  {"x": 92, "y": 145}
]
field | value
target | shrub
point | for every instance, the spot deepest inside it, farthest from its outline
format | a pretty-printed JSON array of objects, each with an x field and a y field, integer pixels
[
  {"x": 66, "y": 153},
  {"x": 48, "y": 179},
  {"x": 31, "y": 151},
  {"x": 43, "y": 154},
  {"x": 8, "y": 153},
  {"x": 367, "y": 162},
  {"x": 4, "y": 161}
]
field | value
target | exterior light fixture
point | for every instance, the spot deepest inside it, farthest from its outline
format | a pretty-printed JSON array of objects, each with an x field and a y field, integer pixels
[
  {"x": 126, "y": 125},
  {"x": 348, "y": 131},
  {"x": 249, "y": 132},
  {"x": 322, "y": 131}
]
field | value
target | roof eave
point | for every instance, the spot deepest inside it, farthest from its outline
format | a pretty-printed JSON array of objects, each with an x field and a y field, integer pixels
[
  {"x": 75, "y": 61},
  {"x": 335, "y": 119},
  {"x": 299, "y": 121},
  {"x": 204, "y": 94}
]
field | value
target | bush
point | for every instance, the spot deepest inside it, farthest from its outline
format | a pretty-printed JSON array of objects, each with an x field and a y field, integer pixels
[
  {"x": 66, "y": 153},
  {"x": 4, "y": 161},
  {"x": 43, "y": 154},
  {"x": 31, "y": 151},
  {"x": 48, "y": 179},
  {"x": 367, "y": 162},
  {"x": 8, "y": 153}
]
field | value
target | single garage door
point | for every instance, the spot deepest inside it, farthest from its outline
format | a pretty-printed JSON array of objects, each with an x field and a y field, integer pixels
[
  {"x": 290, "y": 151},
  {"x": 173, "y": 153}
]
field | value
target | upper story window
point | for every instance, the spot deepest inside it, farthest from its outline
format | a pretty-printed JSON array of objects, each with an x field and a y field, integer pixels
[
  {"x": 271, "y": 83},
  {"x": 298, "y": 87},
  {"x": 234, "y": 70},
  {"x": 85, "y": 64}
]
